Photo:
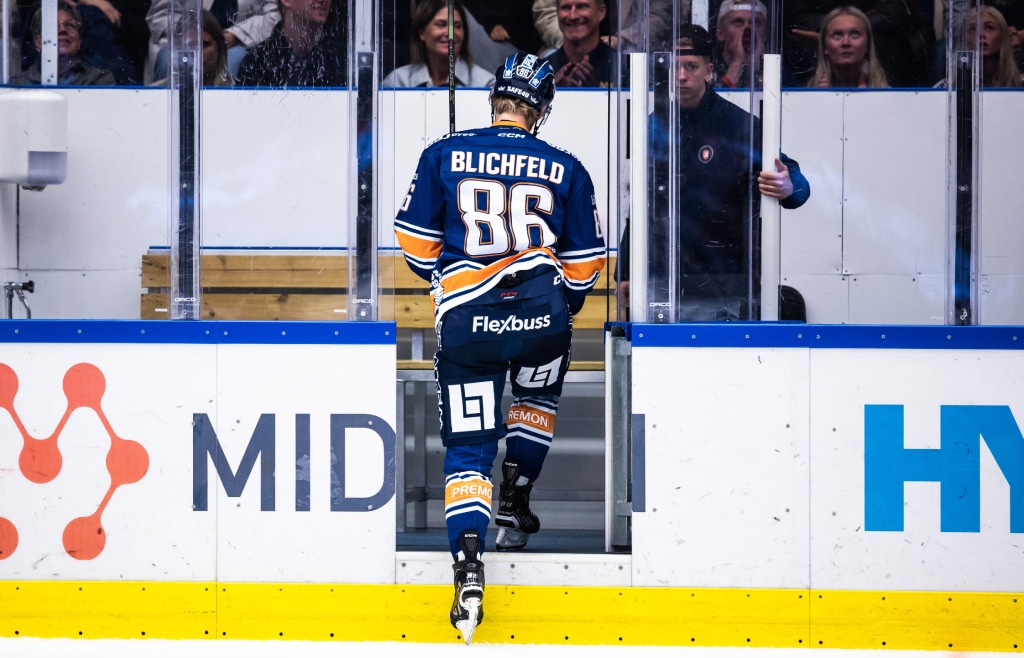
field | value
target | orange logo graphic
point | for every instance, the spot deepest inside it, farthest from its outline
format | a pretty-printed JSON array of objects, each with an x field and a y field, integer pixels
[{"x": 40, "y": 460}]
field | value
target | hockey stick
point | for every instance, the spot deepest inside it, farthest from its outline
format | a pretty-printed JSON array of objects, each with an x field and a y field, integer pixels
[{"x": 451, "y": 65}]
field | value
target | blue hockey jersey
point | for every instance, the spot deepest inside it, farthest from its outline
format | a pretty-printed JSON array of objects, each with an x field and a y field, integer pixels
[{"x": 494, "y": 201}]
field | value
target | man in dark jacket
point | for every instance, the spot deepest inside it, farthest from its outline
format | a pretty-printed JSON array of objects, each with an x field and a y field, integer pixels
[{"x": 715, "y": 168}]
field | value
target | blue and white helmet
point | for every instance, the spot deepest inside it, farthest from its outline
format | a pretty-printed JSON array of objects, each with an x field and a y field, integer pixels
[{"x": 527, "y": 77}]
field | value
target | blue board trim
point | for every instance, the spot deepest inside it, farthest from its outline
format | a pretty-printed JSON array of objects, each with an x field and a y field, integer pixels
[
  {"x": 205, "y": 332},
  {"x": 828, "y": 336}
]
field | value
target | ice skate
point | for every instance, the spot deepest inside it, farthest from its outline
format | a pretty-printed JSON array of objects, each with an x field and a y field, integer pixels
[
  {"x": 515, "y": 520},
  {"x": 468, "y": 607}
]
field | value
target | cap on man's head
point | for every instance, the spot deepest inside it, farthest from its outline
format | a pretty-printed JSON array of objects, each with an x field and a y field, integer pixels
[
  {"x": 693, "y": 40},
  {"x": 742, "y": 5}
]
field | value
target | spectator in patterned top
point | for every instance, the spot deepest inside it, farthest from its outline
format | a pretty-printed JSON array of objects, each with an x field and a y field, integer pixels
[
  {"x": 71, "y": 70},
  {"x": 302, "y": 51},
  {"x": 245, "y": 22}
]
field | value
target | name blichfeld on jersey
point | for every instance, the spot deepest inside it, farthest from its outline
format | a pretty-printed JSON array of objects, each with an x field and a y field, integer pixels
[{"x": 507, "y": 164}]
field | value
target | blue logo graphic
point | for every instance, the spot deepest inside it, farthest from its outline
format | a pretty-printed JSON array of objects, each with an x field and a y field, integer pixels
[{"x": 955, "y": 465}]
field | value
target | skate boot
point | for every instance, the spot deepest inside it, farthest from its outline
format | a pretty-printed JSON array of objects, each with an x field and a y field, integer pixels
[
  {"x": 515, "y": 520},
  {"x": 468, "y": 607}
]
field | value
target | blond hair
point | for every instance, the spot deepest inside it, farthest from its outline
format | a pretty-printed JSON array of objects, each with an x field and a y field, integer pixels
[
  {"x": 509, "y": 105},
  {"x": 1005, "y": 73},
  {"x": 871, "y": 69}
]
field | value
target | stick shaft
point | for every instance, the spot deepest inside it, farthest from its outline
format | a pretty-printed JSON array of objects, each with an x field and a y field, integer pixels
[{"x": 451, "y": 65}]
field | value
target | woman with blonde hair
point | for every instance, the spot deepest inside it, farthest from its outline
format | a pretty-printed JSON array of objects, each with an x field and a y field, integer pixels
[
  {"x": 846, "y": 52},
  {"x": 986, "y": 30}
]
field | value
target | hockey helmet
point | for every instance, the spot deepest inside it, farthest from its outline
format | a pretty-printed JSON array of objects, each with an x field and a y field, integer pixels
[{"x": 527, "y": 77}]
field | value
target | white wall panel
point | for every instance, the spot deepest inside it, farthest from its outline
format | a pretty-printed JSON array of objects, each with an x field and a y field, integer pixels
[
  {"x": 275, "y": 168},
  {"x": 149, "y": 397},
  {"x": 114, "y": 202},
  {"x": 827, "y": 296},
  {"x": 921, "y": 557},
  {"x": 156, "y": 395},
  {"x": 894, "y": 184},
  {"x": 1001, "y": 210},
  {"x": 897, "y": 298},
  {"x": 726, "y": 471},
  {"x": 309, "y": 546},
  {"x": 812, "y": 134}
]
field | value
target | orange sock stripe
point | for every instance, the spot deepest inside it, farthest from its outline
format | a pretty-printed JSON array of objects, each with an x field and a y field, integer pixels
[
  {"x": 467, "y": 491},
  {"x": 536, "y": 419}
]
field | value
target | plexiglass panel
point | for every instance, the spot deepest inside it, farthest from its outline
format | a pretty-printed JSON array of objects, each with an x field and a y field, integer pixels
[{"x": 904, "y": 126}]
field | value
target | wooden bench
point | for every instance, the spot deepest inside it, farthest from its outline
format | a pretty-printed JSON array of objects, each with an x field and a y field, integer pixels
[{"x": 300, "y": 285}]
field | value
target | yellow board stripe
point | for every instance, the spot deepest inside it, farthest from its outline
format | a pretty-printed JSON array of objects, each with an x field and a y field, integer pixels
[{"x": 958, "y": 621}]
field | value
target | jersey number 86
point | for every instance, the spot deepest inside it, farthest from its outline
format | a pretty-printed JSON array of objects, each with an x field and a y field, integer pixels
[{"x": 499, "y": 220}]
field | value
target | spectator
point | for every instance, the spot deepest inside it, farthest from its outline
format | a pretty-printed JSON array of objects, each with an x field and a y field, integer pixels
[
  {"x": 71, "y": 69},
  {"x": 508, "y": 21},
  {"x": 114, "y": 36},
  {"x": 545, "y": 18},
  {"x": 248, "y": 22},
  {"x": 584, "y": 60},
  {"x": 215, "y": 53},
  {"x": 904, "y": 38},
  {"x": 659, "y": 23},
  {"x": 741, "y": 32},
  {"x": 303, "y": 50},
  {"x": 986, "y": 30},
  {"x": 715, "y": 177},
  {"x": 429, "y": 47},
  {"x": 1013, "y": 12},
  {"x": 846, "y": 52}
]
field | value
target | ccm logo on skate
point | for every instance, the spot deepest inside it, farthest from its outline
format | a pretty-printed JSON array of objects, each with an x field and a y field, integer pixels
[{"x": 482, "y": 323}]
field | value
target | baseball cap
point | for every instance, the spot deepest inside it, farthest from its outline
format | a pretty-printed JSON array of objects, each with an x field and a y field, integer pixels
[
  {"x": 693, "y": 40},
  {"x": 742, "y": 5}
]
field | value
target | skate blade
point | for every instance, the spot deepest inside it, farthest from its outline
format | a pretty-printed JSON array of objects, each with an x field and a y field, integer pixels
[
  {"x": 468, "y": 626},
  {"x": 510, "y": 539}
]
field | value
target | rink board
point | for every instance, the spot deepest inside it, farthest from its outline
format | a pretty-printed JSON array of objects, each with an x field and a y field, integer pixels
[
  {"x": 752, "y": 529},
  {"x": 830, "y": 458},
  {"x": 197, "y": 452}
]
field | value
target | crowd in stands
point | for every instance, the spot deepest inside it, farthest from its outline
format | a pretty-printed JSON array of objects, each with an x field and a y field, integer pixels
[{"x": 303, "y": 43}]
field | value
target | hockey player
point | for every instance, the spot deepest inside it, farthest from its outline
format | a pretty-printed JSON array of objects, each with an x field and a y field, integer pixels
[{"x": 505, "y": 228}]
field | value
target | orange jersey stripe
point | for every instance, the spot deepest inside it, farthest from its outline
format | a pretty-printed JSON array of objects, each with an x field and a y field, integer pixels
[
  {"x": 418, "y": 247},
  {"x": 470, "y": 278},
  {"x": 583, "y": 271}
]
